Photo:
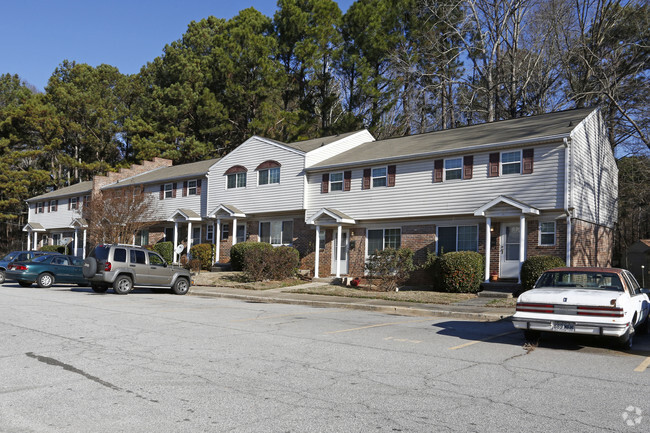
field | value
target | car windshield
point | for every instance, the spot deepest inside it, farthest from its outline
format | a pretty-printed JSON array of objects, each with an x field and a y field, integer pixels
[
  {"x": 41, "y": 258},
  {"x": 583, "y": 279},
  {"x": 9, "y": 257}
]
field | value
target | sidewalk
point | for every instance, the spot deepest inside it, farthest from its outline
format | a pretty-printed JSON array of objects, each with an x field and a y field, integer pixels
[{"x": 473, "y": 309}]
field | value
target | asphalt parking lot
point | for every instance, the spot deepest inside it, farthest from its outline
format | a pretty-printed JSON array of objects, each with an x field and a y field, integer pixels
[{"x": 73, "y": 360}]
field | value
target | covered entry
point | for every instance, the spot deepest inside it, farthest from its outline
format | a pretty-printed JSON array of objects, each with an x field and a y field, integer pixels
[{"x": 333, "y": 218}]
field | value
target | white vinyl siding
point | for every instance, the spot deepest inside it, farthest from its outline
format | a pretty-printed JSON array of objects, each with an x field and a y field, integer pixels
[
  {"x": 165, "y": 208},
  {"x": 416, "y": 195},
  {"x": 273, "y": 197},
  {"x": 334, "y": 148},
  {"x": 593, "y": 178}
]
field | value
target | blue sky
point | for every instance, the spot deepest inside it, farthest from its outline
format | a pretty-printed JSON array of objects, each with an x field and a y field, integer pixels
[{"x": 38, "y": 35}]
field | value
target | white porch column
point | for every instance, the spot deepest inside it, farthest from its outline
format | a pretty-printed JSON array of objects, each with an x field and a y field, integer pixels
[
  {"x": 83, "y": 251},
  {"x": 316, "y": 253},
  {"x": 29, "y": 241},
  {"x": 35, "y": 240},
  {"x": 217, "y": 242},
  {"x": 522, "y": 244},
  {"x": 488, "y": 239},
  {"x": 189, "y": 238},
  {"x": 76, "y": 241},
  {"x": 234, "y": 231},
  {"x": 339, "y": 231},
  {"x": 175, "y": 241},
  {"x": 568, "y": 240},
  {"x": 214, "y": 239}
]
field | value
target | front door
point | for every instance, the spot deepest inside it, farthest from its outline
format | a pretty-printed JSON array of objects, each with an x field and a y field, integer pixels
[
  {"x": 509, "y": 253},
  {"x": 345, "y": 247}
]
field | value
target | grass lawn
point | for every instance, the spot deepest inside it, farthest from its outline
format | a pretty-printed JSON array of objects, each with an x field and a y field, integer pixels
[
  {"x": 237, "y": 280},
  {"x": 408, "y": 295}
]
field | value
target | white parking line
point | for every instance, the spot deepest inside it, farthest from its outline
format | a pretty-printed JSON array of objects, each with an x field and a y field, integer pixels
[{"x": 482, "y": 340}]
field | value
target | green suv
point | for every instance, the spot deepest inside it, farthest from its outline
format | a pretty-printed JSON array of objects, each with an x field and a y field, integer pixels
[{"x": 125, "y": 267}]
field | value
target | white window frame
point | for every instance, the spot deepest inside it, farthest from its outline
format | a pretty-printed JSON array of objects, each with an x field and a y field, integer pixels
[
  {"x": 446, "y": 170},
  {"x": 200, "y": 228},
  {"x": 540, "y": 233},
  {"x": 268, "y": 176},
  {"x": 373, "y": 177},
  {"x": 238, "y": 176},
  {"x": 74, "y": 203},
  {"x": 225, "y": 231},
  {"x": 209, "y": 232},
  {"x": 54, "y": 204},
  {"x": 40, "y": 207},
  {"x": 501, "y": 163},
  {"x": 383, "y": 237},
  {"x": 271, "y": 222},
  {"x": 190, "y": 187},
  {"x": 342, "y": 182},
  {"x": 456, "y": 226},
  {"x": 169, "y": 193},
  {"x": 245, "y": 232}
]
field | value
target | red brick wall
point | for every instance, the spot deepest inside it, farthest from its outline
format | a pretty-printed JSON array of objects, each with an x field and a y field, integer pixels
[
  {"x": 591, "y": 244},
  {"x": 533, "y": 247}
]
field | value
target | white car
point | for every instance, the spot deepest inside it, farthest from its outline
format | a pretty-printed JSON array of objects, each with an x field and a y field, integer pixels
[{"x": 594, "y": 301}]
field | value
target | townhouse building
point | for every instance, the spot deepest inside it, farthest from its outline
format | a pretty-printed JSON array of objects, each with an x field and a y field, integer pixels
[{"x": 510, "y": 189}]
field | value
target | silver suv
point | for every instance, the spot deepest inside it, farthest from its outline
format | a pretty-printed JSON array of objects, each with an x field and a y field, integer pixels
[{"x": 127, "y": 266}]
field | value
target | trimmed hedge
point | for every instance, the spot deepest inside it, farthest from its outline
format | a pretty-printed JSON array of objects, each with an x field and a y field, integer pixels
[
  {"x": 460, "y": 272},
  {"x": 204, "y": 253},
  {"x": 535, "y": 266},
  {"x": 238, "y": 251},
  {"x": 63, "y": 249},
  {"x": 165, "y": 249},
  {"x": 277, "y": 264}
]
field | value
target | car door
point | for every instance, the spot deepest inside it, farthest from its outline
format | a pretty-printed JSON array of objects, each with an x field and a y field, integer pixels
[
  {"x": 60, "y": 267},
  {"x": 639, "y": 299},
  {"x": 76, "y": 270},
  {"x": 160, "y": 273},
  {"x": 138, "y": 264}
]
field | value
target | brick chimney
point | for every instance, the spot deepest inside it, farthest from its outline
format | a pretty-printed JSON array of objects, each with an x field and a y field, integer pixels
[{"x": 135, "y": 169}]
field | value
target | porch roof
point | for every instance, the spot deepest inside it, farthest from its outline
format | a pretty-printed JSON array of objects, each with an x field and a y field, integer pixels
[
  {"x": 33, "y": 227},
  {"x": 226, "y": 210},
  {"x": 490, "y": 206},
  {"x": 187, "y": 214},
  {"x": 78, "y": 223},
  {"x": 336, "y": 215}
]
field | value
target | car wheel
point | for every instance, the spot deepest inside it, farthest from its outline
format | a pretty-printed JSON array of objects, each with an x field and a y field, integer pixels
[
  {"x": 25, "y": 283},
  {"x": 122, "y": 285},
  {"x": 89, "y": 268},
  {"x": 532, "y": 336},
  {"x": 45, "y": 280},
  {"x": 99, "y": 289},
  {"x": 181, "y": 286},
  {"x": 626, "y": 340},
  {"x": 2, "y": 277}
]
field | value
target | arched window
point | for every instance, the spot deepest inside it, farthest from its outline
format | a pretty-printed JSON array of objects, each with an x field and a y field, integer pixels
[
  {"x": 236, "y": 177},
  {"x": 268, "y": 172}
]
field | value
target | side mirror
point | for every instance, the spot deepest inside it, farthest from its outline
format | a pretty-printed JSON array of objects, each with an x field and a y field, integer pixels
[{"x": 164, "y": 264}]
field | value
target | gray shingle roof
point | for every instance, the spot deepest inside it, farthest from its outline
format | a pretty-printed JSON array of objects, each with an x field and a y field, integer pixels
[
  {"x": 451, "y": 140},
  {"x": 80, "y": 188},
  {"x": 159, "y": 175},
  {"x": 315, "y": 143}
]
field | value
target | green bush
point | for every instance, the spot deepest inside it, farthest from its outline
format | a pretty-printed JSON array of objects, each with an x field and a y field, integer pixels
[
  {"x": 283, "y": 263},
  {"x": 255, "y": 266},
  {"x": 391, "y": 267},
  {"x": 165, "y": 249},
  {"x": 63, "y": 249},
  {"x": 534, "y": 266},
  {"x": 238, "y": 251},
  {"x": 461, "y": 272},
  {"x": 431, "y": 267},
  {"x": 204, "y": 253}
]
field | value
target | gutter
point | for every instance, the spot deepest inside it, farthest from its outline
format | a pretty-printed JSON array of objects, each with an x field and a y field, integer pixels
[
  {"x": 538, "y": 140},
  {"x": 567, "y": 202}
]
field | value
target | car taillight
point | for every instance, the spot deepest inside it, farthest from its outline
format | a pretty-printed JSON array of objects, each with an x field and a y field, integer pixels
[
  {"x": 107, "y": 267},
  {"x": 534, "y": 308},
  {"x": 18, "y": 267},
  {"x": 600, "y": 311}
]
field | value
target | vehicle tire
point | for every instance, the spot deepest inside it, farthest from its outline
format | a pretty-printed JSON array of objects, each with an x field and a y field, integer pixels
[
  {"x": 45, "y": 280},
  {"x": 181, "y": 286},
  {"x": 25, "y": 284},
  {"x": 99, "y": 289},
  {"x": 89, "y": 268},
  {"x": 122, "y": 285},
  {"x": 626, "y": 340},
  {"x": 2, "y": 277},
  {"x": 532, "y": 336}
]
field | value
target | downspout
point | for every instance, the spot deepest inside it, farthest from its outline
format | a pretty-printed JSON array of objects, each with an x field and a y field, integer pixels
[{"x": 567, "y": 201}]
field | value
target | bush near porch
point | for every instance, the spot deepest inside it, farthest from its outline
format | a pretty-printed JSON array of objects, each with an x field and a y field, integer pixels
[
  {"x": 165, "y": 249},
  {"x": 276, "y": 264},
  {"x": 239, "y": 250},
  {"x": 204, "y": 253},
  {"x": 458, "y": 272},
  {"x": 391, "y": 267},
  {"x": 535, "y": 266}
]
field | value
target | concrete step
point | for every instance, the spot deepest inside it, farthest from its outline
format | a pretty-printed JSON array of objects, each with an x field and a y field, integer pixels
[
  {"x": 499, "y": 289},
  {"x": 221, "y": 267},
  {"x": 329, "y": 280}
]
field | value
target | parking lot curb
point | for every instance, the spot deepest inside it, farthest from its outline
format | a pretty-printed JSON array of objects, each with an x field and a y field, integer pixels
[{"x": 433, "y": 311}]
